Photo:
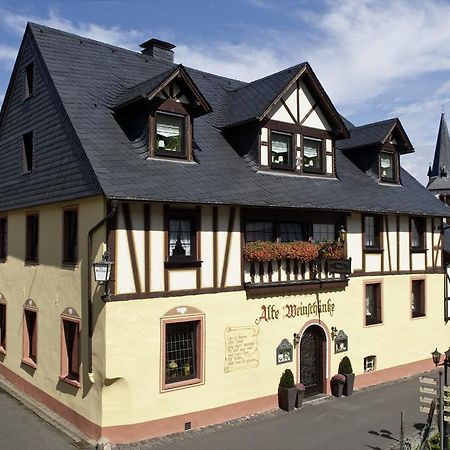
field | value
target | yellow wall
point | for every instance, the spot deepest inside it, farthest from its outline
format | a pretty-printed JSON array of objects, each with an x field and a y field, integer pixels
[
  {"x": 53, "y": 288},
  {"x": 132, "y": 391}
]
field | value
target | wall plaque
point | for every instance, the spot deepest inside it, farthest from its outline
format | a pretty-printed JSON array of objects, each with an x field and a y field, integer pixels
[
  {"x": 340, "y": 342},
  {"x": 285, "y": 352},
  {"x": 241, "y": 348}
]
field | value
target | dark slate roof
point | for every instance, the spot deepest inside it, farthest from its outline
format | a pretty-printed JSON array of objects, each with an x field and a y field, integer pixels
[
  {"x": 439, "y": 173},
  {"x": 142, "y": 89},
  {"x": 89, "y": 77},
  {"x": 366, "y": 135},
  {"x": 251, "y": 100}
]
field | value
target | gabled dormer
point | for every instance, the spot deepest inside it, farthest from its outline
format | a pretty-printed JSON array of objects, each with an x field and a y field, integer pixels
[
  {"x": 158, "y": 114},
  {"x": 376, "y": 148},
  {"x": 297, "y": 123}
]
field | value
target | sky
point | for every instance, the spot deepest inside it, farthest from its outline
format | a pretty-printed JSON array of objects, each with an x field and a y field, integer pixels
[{"x": 375, "y": 58}]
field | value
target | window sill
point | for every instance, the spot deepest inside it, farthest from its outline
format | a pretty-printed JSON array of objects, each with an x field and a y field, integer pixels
[
  {"x": 182, "y": 384},
  {"x": 182, "y": 264},
  {"x": 418, "y": 316},
  {"x": 69, "y": 265},
  {"x": 67, "y": 380},
  {"x": 373, "y": 250},
  {"x": 29, "y": 362},
  {"x": 314, "y": 172},
  {"x": 374, "y": 324},
  {"x": 169, "y": 154},
  {"x": 282, "y": 167},
  {"x": 418, "y": 250}
]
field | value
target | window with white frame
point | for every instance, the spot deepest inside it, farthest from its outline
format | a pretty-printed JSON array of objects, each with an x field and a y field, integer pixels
[{"x": 370, "y": 363}]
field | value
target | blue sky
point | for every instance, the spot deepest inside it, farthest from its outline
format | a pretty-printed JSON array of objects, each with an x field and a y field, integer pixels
[{"x": 376, "y": 59}]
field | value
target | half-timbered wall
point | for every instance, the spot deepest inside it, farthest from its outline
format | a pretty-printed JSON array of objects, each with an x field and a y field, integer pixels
[
  {"x": 140, "y": 251},
  {"x": 395, "y": 254}
]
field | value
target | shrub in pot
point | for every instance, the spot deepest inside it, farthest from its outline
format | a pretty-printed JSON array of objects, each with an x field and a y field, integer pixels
[
  {"x": 345, "y": 368},
  {"x": 287, "y": 392},
  {"x": 300, "y": 395},
  {"x": 337, "y": 384}
]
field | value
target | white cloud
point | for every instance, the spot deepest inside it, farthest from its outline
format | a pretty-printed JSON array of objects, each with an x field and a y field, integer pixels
[
  {"x": 7, "y": 56},
  {"x": 113, "y": 35}
]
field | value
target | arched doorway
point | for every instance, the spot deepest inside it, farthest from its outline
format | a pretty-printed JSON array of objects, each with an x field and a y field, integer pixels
[{"x": 312, "y": 360}]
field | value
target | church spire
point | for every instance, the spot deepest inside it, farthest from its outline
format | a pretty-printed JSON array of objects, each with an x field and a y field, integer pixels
[{"x": 441, "y": 161}]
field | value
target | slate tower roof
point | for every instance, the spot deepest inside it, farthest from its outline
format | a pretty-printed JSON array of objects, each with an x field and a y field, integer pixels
[{"x": 438, "y": 173}]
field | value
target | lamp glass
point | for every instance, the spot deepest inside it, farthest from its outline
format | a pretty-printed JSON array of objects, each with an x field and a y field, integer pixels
[
  {"x": 102, "y": 271},
  {"x": 436, "y": 356}
]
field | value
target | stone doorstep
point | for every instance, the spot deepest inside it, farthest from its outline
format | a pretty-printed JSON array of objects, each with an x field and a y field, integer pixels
[{"x": 49, "y": 416}]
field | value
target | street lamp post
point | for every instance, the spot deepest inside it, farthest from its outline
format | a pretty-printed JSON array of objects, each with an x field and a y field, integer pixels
[{"x": 436, "y": 355}]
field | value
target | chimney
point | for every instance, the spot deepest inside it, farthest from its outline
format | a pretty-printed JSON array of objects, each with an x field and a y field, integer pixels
[{"x": 160, "y": 50}]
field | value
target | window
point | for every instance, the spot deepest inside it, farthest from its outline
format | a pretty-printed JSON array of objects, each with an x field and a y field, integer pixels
[
  {"x": 324, "y": 232},
  {"x": 281, "y": 152},
  {"x": 291, "y": 232},
  {"x": 3, "y": 238},
  {"x": 70, "y": 237},
  {"x": 32, "y": 238},
  {"x": 29, "y": 75},
  {"x": 27, "y": 153},
  {"x": 181, "y": 239},
  {"x": 370, "y": 363},
  {"x": 418, "y": 298},
  {"x": 170, "y": 135},
  {"x": 388, "y": 169},
  {"x": 312, "y": 155},
  {"x": 372, "y": 232},
  {"x": 373, "y": 303},
  {"x": 182, "y": 353},
  {"x": 30, "y": 337},
  {"x": 70, "y": 363},
  {"x": 417, "y": 233},
  {"x": 2, "y": 327},
  {"x": 259, "y": 231}
]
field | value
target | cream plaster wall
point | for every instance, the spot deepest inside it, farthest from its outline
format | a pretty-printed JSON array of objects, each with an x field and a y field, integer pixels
[
  {"x": 354, "y": 240},
  {"x": 53, "y": 287},
  {"x": 133, "y": 344}
]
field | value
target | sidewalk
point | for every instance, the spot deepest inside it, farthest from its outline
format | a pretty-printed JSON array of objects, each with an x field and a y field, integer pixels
[{"x": 369, "y": 419}]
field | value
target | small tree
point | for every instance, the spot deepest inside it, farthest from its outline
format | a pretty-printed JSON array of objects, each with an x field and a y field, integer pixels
[
  {"x": 287, "y": 379},
  {"x": 345, "y": 366}
]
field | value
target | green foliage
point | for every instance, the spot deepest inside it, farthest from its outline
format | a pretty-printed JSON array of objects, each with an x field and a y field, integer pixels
[
  {"x": 345, "y": 366},
  {"x": 433, "y": 443},
  {"x": 287, "y": 379}
]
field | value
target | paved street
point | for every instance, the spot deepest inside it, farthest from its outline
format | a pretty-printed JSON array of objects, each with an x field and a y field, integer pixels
[
  {"x": 369, "y": 419},
  {"x": 21, "y": 429}
]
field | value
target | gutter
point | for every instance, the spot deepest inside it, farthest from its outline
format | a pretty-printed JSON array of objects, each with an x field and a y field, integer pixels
[{"x": 109, "y": 216}]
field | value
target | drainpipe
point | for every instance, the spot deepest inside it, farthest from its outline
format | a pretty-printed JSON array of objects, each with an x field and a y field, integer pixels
[{"x": 110, "y": 215}]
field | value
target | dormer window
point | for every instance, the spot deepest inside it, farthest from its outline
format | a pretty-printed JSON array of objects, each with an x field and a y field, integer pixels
[
  {"x": 281, "y": 150},
  {"x": 170, "y": 135},
  {"x": 388, "y": 169},
  {"x": 312, "y": 155}
]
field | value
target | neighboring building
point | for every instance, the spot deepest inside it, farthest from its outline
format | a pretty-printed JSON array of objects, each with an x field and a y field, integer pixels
[{"x": 176, "y": 172}]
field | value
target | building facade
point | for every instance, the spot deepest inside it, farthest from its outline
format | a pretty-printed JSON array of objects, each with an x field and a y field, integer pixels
[{"x": 250, "y": 229}]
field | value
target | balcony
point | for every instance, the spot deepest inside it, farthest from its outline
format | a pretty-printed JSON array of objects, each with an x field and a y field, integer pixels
[{"x": 295, "y": 267}]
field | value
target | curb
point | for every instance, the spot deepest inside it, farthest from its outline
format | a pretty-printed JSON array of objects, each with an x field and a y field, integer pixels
[{"x": 49, "y": 416}]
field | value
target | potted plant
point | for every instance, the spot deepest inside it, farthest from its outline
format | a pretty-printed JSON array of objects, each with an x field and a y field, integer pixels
[
  {"x": 300, "y": 395},
  {"x": 287, "y": 392},
  {"x": 337, "y": 384},
  {"x": 345, "y": 368}
]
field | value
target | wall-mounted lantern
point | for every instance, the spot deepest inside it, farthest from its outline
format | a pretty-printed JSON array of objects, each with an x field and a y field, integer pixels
[
  {"x": 102, "y": 274},
  {"x": 342, "y": 234}
]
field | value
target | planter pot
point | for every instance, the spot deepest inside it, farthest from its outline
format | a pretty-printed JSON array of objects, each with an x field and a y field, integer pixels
[
  {"x": 337, "y": 389},
  {"x": 349, "y": 383},
  {"x": 299, "y": 399},
  {"x": 287, "y": 398}
]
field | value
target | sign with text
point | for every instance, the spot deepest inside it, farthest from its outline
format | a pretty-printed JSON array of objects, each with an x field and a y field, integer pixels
[
  {"x": 342, "y": 266},
  {"x": 428, "y": 391},
  {"x": 241, "y": 348},
  {"x": 290, "y": 311}
]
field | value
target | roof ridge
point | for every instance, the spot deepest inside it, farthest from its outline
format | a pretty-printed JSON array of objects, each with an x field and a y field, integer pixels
[
  {"x": 392, "y": 119},
  {"x": 300, "y": 65}
]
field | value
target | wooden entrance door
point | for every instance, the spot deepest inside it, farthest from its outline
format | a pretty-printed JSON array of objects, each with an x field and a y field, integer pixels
[{"x": 312, "y": 360}]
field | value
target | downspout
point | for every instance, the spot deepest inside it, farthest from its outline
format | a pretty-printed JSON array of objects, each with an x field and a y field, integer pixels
[{"x": 110, "y": 215}]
